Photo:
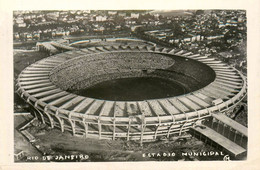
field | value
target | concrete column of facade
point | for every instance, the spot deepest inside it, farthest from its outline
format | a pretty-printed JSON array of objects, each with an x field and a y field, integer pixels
[
  {"x": 218, "y": 122},
  {"x": 156, "y": 131},
  {"x": 206, "y": 139},
  {"x": 50, "y": 119},
  {"x": 72, "y": 124},
  {"x": 182, "y": 128},
  {"x": 85, "y": 124},
  {"x": 86, "y": 128},
  {"x": 170, "y": 127},
  {"x": 142, "y": 134},
  {"x": 38, "y": 111},
  {"x": 22, "y": 94},
  {"x": 32, "y": 109},
  {"x": 129, "y": 127},
  {"x": 114, "y": 128},
  {"x": 229, "y": 132},
  {"x": 223, "y": 132},
  {"x": 241, "y": 140},
  {"x": 99, "y": 129},
  {"x": 173, "y": 118},
  {"x": 212, "y": 122},
  {"x": 60, "y": 122},
  {"x": 143, "y": 125},
  {"x": 48, "y": 116},
  {"x": 235, "y": 137}
]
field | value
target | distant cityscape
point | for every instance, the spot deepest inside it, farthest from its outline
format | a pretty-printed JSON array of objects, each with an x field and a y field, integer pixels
[{"x": 218, "y": 33}]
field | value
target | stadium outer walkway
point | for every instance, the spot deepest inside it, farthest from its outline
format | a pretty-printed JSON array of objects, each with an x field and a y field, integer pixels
[{"x": 228, "y": 143}]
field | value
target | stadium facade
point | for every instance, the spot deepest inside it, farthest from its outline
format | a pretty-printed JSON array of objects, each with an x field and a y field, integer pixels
[{"x": 211, "y": 86}]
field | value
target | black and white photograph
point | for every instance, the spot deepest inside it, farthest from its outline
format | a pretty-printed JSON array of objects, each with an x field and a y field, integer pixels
[
  {"x": 130, "y": 85},
  {"x": 134, "y": 85}
]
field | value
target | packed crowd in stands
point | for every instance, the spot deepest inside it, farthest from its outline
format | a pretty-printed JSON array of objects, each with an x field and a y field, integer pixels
[{"x": 85, "y": 71}]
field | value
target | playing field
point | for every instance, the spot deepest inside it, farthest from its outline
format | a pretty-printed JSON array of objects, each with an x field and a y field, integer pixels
[{"x": 129, "y": 89}]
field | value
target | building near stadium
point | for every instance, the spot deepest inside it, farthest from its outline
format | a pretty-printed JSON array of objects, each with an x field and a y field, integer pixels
[{"x": 209, "y": 87}]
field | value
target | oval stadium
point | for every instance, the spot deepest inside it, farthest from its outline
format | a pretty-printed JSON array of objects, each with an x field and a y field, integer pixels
[{"x": 57, "y": 90}]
